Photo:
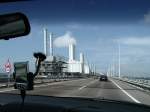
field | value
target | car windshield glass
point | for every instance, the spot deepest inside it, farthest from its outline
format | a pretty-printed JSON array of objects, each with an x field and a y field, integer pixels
[{"x": 82, "y": 40}]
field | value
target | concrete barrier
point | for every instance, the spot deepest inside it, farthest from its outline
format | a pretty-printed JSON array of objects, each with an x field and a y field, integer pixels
[{"x": 144, "y": 84}]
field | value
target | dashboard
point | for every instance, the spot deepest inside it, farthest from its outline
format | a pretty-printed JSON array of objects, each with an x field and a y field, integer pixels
[{"x": 13, "y": 103}]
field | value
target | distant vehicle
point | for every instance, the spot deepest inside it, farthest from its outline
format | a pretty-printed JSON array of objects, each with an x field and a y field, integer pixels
[{"x": 103, "y": 78}]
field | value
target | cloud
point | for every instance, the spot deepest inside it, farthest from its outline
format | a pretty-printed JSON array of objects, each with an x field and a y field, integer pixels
[
  {"x": 79, "y": 26},
  {"x": 134, "y": 41},
  {"x": 65, "y": 40},
  {"x": 74, "y": 26},
  {"x": 147, "y": 17}
]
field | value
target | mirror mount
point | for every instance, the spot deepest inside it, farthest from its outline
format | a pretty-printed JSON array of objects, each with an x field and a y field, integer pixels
[
  {"x": 23, "y": 78},
  {"x": 26, "y": 77}
]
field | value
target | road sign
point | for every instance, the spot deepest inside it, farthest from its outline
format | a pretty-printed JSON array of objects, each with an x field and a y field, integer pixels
[{"x": 8, "y": 66}]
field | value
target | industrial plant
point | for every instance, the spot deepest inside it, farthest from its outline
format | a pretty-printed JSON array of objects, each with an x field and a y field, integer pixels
[{"x": 55, "y": 66}]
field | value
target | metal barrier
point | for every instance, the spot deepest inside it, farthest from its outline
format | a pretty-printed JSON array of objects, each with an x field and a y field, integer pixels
[{"x": 142, "y": 83}]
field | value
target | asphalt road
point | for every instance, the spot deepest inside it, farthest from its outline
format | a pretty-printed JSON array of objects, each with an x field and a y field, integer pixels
[{"x": 93, "y": 88}]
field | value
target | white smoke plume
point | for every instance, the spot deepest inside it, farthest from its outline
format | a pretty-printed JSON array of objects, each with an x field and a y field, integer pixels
[{"x": 65, "y": 40}]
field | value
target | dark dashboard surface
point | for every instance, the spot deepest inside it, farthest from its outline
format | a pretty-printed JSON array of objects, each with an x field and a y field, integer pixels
[{"x": 12, "y": 102}]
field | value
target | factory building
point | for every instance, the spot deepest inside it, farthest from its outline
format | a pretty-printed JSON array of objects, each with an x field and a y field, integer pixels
[
  {"x": 55, "y": 65},
  {"x": 75, "y": 66}
]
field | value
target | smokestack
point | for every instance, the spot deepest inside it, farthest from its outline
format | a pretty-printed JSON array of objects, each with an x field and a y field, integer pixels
[
  {"x": 45, "y": 41},
  {"x": 51, "y": 44},
  {"x": 71, "y": 52},
  {"x": 81, "y": 58},
  {"x": 82, "y": 62}
]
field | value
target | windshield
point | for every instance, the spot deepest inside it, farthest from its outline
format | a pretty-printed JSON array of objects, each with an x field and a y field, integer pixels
[{"x": 83, "y": 40}]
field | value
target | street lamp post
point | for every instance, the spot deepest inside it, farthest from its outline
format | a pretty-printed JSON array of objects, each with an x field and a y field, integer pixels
[{"x": 119, "y": 61}]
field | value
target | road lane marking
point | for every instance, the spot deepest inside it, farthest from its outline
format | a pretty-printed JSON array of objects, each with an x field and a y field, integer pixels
[
  {"x": 1, "y": 91},
  {"x": 135, "y": 100},
  {"x": 55, "y": 83},
  {"x": 86, "y": 85},
  {"x": 50, "y": 83},
  {"x": 36, "y": 86},
  {"x": 43, "y": 85},
  {"x": 82, "y": 87}
]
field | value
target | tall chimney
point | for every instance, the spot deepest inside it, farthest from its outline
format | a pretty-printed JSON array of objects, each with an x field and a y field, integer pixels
[
  {"x": 71, "y": 52},
  {"x": 51, "y": 44},
  {"x": 45, "y": 41},
  {"x": 81, "y": 58},
  {"x": 82, "y": 63}
]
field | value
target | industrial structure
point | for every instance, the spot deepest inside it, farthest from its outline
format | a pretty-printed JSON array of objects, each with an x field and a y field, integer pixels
[
  {"x": 58, "y": 65},
  {"x": 74, "y": 66}
]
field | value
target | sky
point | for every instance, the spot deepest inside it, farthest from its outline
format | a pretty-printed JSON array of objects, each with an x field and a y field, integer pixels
[{"x": 95, "y": 26}]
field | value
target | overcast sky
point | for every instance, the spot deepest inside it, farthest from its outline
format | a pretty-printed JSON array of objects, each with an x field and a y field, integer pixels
[{"x": 96, "y": 26}]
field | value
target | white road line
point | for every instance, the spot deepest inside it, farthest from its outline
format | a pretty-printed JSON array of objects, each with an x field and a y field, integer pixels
[
  {"x": 36, "y": 86},
  {"x": 135, "y": 100},
  {"x": 55, "y": 83},
  {"x": 3, "y": 85},
  {"x": 1, "y": 91},
  {"x": 49, "y": 84},
  {"x": 45, "y": 85},
  {"x": 82, "y": 87},
  {"x": 86, "y": 85}
]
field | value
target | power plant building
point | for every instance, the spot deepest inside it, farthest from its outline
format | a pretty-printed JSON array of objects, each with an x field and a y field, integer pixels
[{"x": 54, "y": 65}]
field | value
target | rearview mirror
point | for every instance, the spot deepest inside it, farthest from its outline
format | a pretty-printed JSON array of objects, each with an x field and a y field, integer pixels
[{"x": 13, "y": 25}]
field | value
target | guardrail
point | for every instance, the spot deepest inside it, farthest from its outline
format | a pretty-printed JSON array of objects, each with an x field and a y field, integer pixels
[{"x": 142, "y": 83}]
